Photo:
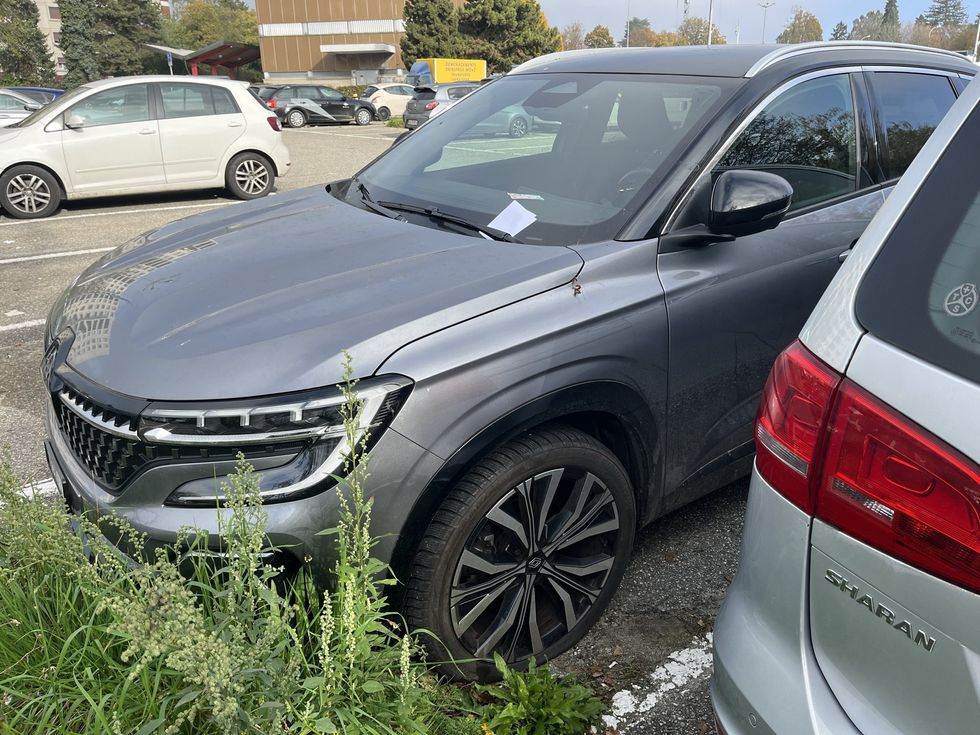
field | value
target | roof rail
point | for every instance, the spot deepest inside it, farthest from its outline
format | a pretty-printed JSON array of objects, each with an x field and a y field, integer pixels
[{"x": 799, "y": 49}]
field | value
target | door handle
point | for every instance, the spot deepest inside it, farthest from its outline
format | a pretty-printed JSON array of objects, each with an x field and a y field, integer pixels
[
  {"x": 148, "y": 131},
  {"x": 234, "y": 125}
]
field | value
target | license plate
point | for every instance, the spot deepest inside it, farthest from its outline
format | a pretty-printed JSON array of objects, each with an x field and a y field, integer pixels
[{"x": 412, "y": 124}]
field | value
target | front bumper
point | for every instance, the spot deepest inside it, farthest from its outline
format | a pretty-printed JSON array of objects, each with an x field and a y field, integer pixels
[
  {"x": 400, "y": 470},
  {"x": 766, "y": 679}
]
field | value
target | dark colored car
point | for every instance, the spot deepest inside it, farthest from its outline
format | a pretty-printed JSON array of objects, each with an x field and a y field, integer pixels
[
  {"x": 44, "y": 95},
  {"x": 434, "y": 99},
  {"x": 560, "y": 337},
  {"x": 298, "y": 105}
]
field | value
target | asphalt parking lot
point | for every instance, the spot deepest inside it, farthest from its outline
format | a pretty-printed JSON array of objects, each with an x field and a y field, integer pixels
[{"x": 650, "y": 654}]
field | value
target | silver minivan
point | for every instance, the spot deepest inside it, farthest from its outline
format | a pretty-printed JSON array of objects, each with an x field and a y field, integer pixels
[
  {"x": 856, "y": 607},
  {"x": 15, "y": 106}
]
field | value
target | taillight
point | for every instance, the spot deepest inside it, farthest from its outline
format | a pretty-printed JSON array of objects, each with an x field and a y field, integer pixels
[
  {"x": 788, "y": 432},
  {"x": 271, "y": 104},
  {"x": 432, "y": 105},
  {"x": 888, "y": 482},
  {"x": 845, "y": 457},
  {"x": 274, "y": 123}
]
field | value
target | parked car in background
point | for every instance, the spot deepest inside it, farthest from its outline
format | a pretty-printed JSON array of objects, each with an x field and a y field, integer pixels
[
  {"x": 856, "y": 602},
  {"x": 432, "y": 100},
  {"x": 389, "y": 99},
  {"x": 298, "y": 105},
  {"x": 561, "y": 338},
  {"x": 15, "y": 106},
  {"x": 44, "y": 95},
  {"x": 140, "y": 134}
]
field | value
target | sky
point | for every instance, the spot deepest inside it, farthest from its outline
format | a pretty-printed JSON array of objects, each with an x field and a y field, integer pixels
[{"x": 728, "y": 14}]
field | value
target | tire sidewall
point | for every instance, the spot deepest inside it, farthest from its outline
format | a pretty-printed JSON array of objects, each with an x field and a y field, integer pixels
[
  {"x": 299, "y": 114},
  {"x": 384, "y": 114},
  {"x": 519, "y": 128},
  {"x": 609, "y": 471},
  {"x": 53, "y": 186},
  {"x": 232, "y": 185},
  {"x": 363, "y": 114}
]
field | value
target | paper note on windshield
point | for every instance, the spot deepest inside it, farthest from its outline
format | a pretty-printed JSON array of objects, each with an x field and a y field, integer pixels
[{"x": 513, "y": 219}]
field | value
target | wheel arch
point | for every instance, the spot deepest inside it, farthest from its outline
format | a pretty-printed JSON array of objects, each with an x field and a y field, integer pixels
[
  {"x": 269, "y": 159},
  {"x": 57, "y": 177},
  {"x": 613, "y": 413}
]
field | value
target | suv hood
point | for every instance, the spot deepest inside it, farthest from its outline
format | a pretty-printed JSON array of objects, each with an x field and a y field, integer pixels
[{"x": 263, "y": 297}]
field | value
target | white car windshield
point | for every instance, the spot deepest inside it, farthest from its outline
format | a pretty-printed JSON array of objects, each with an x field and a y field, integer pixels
[
  {"x": 578, "y": 151},
  {"x": 59, "y": 104}
]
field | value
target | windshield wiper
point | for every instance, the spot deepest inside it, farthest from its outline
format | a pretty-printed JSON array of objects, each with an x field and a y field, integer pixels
[
  {"x": 434, "y": 213},
  {"x": 369, "y": 202}
]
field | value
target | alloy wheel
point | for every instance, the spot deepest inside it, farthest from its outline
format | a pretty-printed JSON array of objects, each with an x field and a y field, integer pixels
[
  {"x": 297, "y": 119},
  {"x": 518, "y": 128},
  {"x": 535, "y": 565},
  {"x": 252, "y": 176},
  {"x": 28, "y": 193},
  {"x": 363, "y": 117}
]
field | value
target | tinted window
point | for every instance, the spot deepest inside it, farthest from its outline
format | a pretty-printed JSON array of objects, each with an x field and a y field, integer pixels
[
  {"x": 456, "y": 93},
  {"x": 9, "y": 102},
  {"x": 224, "y": 103},
  {"x": 330, "y": 94},
  {"x": 806, "y": 135},
  {"x": 424, "y": 93},
  {"x": 265, "y": 92},
  {"x": 921, "y": 293},
  {"x": 910, "y": 107},
  {"x": 114, "y": 106},
  {"x": 368, "y": 91}
]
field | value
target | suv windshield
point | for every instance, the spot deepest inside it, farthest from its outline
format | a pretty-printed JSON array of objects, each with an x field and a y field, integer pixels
[
  {"x": 594, "y": 144},
  {"x": 921, "y": 293}
]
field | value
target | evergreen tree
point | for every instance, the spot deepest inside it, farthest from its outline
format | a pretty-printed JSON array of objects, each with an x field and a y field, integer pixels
[
  {"x": 946, "y": 13},
  {"x": 506, "y": 32},
  {"x": 431, "y": 31},
  {"x": 24, "y": 57},
  {"x": 891, "y": 13},
  {"x": 599, "y": 37},
  {"x": 869, "y": 27},
  {"x": 104, "y": 38},
  {"x": 803, "y": 26},
  {"x": 840, "y": 32}
]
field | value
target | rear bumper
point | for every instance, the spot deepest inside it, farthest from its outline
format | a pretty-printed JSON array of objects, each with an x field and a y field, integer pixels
[
  {"x": 280, "y": 157},
  {"x": 766, "y": 680},
  {"x": 414, "y": 121}
]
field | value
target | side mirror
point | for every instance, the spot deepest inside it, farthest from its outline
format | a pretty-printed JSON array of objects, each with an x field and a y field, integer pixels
[
  {"x": 74, "y": 122},
  {"x": 744, "y": 202},
  {"x": 32, "y": 106}
]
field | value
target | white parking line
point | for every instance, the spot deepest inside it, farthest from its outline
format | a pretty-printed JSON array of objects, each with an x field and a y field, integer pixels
[
  {"x": 22, "y": 325},
  {"x": 48, "y": 256},
  {"x": 40, "y": 488},
  {"x": 114, "y": 212},
  {"x": 349, "y": 135}
]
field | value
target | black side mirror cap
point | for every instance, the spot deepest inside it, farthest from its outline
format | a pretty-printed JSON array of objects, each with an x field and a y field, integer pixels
[{"x": 744, "y": 202}]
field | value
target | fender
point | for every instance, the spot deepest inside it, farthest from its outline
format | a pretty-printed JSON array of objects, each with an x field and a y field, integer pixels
[{"x": 612, "y": 412}]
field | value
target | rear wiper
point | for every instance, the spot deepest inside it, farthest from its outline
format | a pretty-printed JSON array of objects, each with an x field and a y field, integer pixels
[
  {"x": 369, "y": 202},
  {"x": 434, "y": 213}
]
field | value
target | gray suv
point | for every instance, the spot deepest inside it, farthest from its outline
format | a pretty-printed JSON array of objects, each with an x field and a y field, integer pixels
[
  {"x": 856, "y": 603},
  {"x": 560, "y": 337}
]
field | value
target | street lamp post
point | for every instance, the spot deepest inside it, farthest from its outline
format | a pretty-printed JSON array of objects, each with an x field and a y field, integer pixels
[
  {"x": 711, "y": 15},
  {"x": 765, "y": 10},
  {"x": 628, "y": 23},
  {"x": 976, "y": 42}
]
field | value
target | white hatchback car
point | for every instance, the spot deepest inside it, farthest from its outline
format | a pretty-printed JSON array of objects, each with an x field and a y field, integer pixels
[
  {"x": 140, "y": 134},
  {"x": 389, "y": 99}
]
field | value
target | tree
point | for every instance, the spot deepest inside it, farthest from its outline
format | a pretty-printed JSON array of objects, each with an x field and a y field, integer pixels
[
  {"x": 840, "y": 32},
  {"x": 573, "y": 37},
  {"x": 868, "y": 27},
  {"x": 102, "y": 38},
  {"x": 634, "y": 26},
  {"x": 506, "y": 32},
  {"x": 431, "y": 30},
  {"x": 694, "y": 32},
  {"x": 599, "y": 37},
  {"x": 24, "y": 57},
  {"x": 803, "y": 26},
  {"x": 203, "y": 22},
  {"x": 891, "y": 13},
  {"x": 945, "y": 13}
]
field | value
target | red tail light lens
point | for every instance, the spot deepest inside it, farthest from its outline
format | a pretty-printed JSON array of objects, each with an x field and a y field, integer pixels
[
  {"x": 788, "y": 432},
  {"x": 432, "y": 105},
  {"x": 274, "y": 123},
  {"x": 271, "y": 104},
  {"x": 891, "y": 484}
]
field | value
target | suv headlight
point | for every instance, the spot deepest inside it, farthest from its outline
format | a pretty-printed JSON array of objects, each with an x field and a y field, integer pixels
[{"x": 312, "y": 420}]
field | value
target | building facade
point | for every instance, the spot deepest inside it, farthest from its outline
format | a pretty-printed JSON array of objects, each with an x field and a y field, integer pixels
[
  {"x": 335, "y": 39},
  {"x": 49, "y": 21}
]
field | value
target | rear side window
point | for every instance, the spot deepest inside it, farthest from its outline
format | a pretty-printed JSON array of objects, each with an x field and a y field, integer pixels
[
  {"x": 921, "y": 292},
  {"x": 195, "y": 100},
  {"x": 806, "y": 135},
  {"x": 457, "y": 93},
  {"x": 910, "y": 107},
  {"x": 9, "y": 102}
]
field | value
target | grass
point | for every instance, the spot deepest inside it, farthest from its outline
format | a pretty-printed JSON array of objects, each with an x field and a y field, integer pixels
[
  {"x": 184, "y": 642},
  {"x": 396, "y": 122}
]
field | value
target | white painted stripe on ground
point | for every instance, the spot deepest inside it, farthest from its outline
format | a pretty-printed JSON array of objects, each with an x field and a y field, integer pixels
[
  {"x": 350, "y": 135},
  {"x": 42, "y": 487},
  {"x": 48, "y": 256},
  {"x": 22, "y": 325},
  {"x": 62, "y": 218},
  {"x": 681, "y": 669}
]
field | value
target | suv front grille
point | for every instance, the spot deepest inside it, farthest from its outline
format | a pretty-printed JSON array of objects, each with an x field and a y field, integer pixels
[{"x": 106, "y": 443}]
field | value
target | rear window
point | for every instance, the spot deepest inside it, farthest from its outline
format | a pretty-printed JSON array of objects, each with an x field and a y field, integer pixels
[
  {"x": 921, "y": 292},
  {"x": 368, "y": 92},
  {"x": 265, "y": 92},
  {"x": 424, "y": 93}
]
